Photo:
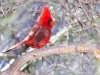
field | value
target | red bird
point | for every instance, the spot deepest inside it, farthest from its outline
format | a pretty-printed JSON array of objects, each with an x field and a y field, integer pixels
[{"x": 40, "y": 33}]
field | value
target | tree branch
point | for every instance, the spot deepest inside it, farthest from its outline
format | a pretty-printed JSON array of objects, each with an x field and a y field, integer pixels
[
  {"x": 21, "y": 60},
  {"x": 85, "y": 11}
]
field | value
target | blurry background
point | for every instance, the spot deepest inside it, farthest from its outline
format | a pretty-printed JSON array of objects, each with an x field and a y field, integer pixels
[{"x": 77, "y": 22}]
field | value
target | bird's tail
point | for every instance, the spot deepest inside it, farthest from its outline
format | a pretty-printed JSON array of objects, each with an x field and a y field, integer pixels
[{"x": 19, "y": 44}]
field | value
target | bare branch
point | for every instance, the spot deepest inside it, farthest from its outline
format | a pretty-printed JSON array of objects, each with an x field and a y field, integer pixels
[
  {"x": 87, "y": 2},
  {"x": 21, "y": 60},
  {"x": 83, "y": 8}
]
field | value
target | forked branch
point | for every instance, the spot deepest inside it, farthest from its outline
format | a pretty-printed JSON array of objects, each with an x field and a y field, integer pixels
[{"x": 21, "y": 60}]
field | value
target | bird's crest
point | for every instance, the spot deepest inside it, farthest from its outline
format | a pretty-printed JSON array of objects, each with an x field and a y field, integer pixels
[{"x": 45, "y": 14}]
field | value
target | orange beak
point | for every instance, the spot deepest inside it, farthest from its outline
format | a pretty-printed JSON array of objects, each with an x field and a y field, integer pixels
[{"x": 52, "y": 23}]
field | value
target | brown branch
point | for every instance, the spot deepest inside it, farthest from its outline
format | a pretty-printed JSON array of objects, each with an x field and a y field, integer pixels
[
  {"x": 85, "y": 2},
  {"x": 85, "y": 11},
  {"x": 89, "y": 2},
  {"x": 21, "y": 60}
]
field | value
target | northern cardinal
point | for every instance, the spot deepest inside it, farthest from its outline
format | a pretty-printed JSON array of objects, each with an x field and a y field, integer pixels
[{"x": 40, "y": 33}]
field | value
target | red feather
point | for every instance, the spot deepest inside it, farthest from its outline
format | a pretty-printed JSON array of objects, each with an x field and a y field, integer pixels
[{"x": 40, "y": 33}]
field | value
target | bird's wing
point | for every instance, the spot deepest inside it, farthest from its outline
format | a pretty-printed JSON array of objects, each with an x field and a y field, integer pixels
[
  {"x": 41, "y": 34},
  {"x": 37, "y": 34}
]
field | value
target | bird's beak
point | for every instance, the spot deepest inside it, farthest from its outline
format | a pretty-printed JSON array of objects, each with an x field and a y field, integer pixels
[{"x": 52, "y": 23}]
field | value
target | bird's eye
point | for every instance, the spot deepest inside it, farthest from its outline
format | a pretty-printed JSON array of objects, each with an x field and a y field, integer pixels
[{"x": 51, "y": 23}]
